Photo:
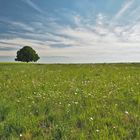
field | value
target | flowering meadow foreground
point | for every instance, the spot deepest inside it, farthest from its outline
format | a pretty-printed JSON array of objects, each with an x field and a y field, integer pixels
[{"x": 69, "y": 102}]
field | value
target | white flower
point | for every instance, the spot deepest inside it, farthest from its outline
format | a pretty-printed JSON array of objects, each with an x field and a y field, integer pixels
[
  {"x": 126, "y": 112},
  {"x": 18, "y": 101},
  {"x": 91, "y": 118},
  {"x": 76, "y": 103},
  {"x": 20, "y": 135},
  {"x": 97, "y": 130}
]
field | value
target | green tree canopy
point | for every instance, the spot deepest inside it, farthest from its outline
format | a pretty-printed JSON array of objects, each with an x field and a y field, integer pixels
[{"x": 27, "y": 54}]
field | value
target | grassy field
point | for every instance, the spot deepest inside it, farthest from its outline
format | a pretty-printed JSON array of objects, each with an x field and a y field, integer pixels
[{"x": 69, "y": 102}]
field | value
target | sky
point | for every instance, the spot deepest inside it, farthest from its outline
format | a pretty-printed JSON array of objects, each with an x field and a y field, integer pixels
[{"x": 77, "y": 30}]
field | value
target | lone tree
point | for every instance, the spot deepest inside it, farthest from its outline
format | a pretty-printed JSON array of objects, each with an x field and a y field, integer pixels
[{"x": 27, "y": 54}]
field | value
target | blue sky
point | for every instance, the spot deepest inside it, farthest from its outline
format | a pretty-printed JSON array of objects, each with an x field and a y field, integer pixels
[{"x": 84, "y": 29}]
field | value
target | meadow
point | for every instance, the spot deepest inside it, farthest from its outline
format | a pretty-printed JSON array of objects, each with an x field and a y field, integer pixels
[{"x": 69, "y": 102}]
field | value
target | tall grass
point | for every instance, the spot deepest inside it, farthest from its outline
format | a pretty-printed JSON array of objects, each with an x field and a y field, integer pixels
[{"x": 70, "y": 102}]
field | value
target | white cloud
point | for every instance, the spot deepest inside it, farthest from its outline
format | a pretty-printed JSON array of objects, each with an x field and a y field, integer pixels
[
  {"x": 124, "y": 8},
  {"x": 21, "y": 26},
  {"x": 85, "y": 39},
  {"x": 100, "y": 19},
  {"x": 33, "y": 5}
]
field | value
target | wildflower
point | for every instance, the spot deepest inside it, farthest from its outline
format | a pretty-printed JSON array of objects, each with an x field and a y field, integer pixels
[
  {"x": 76, "y": 103},
  {"x": 97, "y": 130},
  {"x": 126, "y": 112},
  {"x": 20, "y": 135},
  {"x": 18, "y": 101},
  {"x": 91, "y": 118},
  {"x": 76, "y": 93}
]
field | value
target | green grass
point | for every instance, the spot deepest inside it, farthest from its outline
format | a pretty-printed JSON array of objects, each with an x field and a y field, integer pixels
[{"x": 69, "y": 102}]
